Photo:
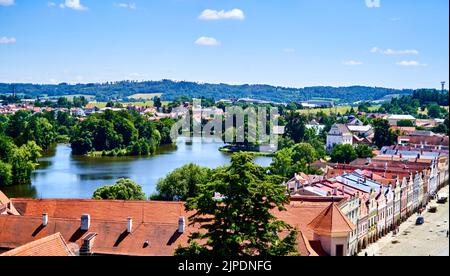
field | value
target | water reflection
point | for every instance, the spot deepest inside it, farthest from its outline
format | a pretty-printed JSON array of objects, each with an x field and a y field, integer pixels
[{"x": 61, "y": 175}]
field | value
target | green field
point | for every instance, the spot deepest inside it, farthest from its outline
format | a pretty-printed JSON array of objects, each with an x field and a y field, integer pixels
[
  {"x": 328, "y": 111},
  {"x": 145, "y": 96},
  {"x": 70, "y": 97},
  {"x": 425, "y": 112}
]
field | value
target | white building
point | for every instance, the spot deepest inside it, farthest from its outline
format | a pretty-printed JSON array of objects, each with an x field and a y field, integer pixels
[
  {"x": 394, "y": 119},
  {"x": 339, "y": 134},
  {"x": 318, "y": 128}
]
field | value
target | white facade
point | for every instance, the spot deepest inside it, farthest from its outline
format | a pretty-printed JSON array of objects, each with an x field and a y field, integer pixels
[{"x": 339, "y": 135}]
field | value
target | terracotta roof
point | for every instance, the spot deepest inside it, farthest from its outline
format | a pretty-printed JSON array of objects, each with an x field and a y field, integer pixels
[
  {"x": 6, "y": 204},
  {"x": 106, "y": 210},
  {"x": 331, "y": 220},
  {"x": 155, "y": 222},
  {"x": 53, "y": 245}
]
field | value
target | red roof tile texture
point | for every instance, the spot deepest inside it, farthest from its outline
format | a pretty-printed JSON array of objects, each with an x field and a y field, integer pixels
[
  {"x": 50, "y": 246},
  {"x": 155, "y": 222},
  {"x": 331, "y": 220}
]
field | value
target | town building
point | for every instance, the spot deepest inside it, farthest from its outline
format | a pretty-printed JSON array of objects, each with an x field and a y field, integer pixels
[
  {"x": 339, "y": 134},
  {"x": 394, "y": 119}
]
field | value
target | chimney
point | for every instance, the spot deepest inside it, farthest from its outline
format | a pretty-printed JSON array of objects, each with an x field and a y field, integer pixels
[
  {"x": 181, "y": 225},
  {"x": 88, "y": 243},
  {"x": 44, "y": 219},
  {"x": 85, "y": 222},
  {"x": 130, "y": 225}
]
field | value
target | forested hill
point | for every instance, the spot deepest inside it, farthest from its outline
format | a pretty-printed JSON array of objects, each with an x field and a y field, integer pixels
[{"x": 173, "y": 90}]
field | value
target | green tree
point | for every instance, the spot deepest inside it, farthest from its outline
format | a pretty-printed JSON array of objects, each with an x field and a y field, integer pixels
[
  {"x": 282, "y": 162},
  {"x": 126, "y": 129},
  {"x": 343, "y": 154},
  {"x": 364, "y": 151},
  {"x": 434, "y": 110},
  {"x": 441, "y": 128},
  {"x": 240, "y": 222},
  {"x": 296, "y": 127},
  {"x": 23, "y": 162},
  {"x": 6, "y": 148},
  {"x": 5, "y": 174},
  {"x": 157, "y": 103},
  {"x": 17, "y": 124},
  {"x": 41, "y": 131},
  {"x": 182, "y": 183},
  {"x": 304, "y": 151},
  {"x": 124, "y": 189},
  {"x": 63, "y": 102},
  {"x": 383, "y": 135},
  {"x": 405, "y": 123}
]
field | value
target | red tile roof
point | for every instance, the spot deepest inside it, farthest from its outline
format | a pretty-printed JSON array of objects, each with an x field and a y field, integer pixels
[
  {"x": 53, "y": 245},
  {"x": 156, "y": 222},
  {"x": 331, "y": 220},
  {"x": 6, "y": 205}
]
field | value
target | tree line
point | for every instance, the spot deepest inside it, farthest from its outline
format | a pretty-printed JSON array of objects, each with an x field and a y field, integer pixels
[
  {"x": 122, "y": 133},
  {"x": 172, "y": 90}
]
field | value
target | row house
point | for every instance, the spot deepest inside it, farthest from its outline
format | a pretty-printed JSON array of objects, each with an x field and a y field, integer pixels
[
  {"x": 397, "y": 204},
  {"x": 381, "y": 214},
  {"x": 372, "y": 218},
  {"x": 390, "y": 209},
  {"x": 363, "y": 223},
  {"x": 375, "y": 208}
]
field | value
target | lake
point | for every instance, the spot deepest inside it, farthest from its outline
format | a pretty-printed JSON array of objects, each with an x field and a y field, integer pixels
[{"x": 62, "y": 175}]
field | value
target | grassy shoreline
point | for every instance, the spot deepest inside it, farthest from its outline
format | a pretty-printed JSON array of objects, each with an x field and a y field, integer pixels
[{"x": 255, "y": 153}]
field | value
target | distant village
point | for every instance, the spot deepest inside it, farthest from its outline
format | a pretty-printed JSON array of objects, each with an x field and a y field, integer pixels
[{"x": 337, "y": 213}]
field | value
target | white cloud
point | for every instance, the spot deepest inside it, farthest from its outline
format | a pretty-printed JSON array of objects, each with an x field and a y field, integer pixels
[
  {"x": 391, "y": 52},
  {"x": 373, "y": 3},
  {"x": 410, "y": 63},
  {"x": 352, "y": 63},
  {"x": 7, "y": 40},
  {"x": 207, "y": 41},
  {"x": 131, "y": 6},
  {"x": 6, "y": 3},
  {"x": 208, "y": 14},
  {"x": 74, "y": 5}
]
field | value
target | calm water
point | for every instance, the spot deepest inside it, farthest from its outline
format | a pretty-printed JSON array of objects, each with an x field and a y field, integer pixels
[{"x": 61, "y": 175}]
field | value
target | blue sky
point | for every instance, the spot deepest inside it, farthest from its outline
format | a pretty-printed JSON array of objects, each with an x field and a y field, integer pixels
[{"x": 296, "y": 43}]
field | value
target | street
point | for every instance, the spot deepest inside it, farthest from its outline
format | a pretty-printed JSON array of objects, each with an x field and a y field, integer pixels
[{"x": 429, "y": 239}]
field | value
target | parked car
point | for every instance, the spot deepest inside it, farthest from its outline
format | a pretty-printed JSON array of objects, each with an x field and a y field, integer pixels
[
  {"x": 420, "y": 220},
  {"x": 442, "y": 198}
]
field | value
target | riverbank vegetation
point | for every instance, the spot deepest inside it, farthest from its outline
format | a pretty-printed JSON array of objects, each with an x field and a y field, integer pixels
[
  {"x": 17, "y": 163},
  {"x": 122, "y": 133},
  {"x": 23, "y": 136},
  {"x": 124, "y": 189}
]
